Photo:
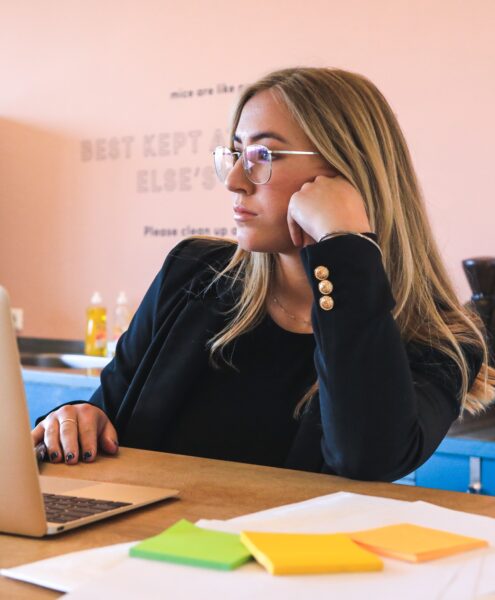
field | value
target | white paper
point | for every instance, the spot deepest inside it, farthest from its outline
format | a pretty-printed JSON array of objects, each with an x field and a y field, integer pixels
[
  {"x": 325, "y": 513},
  {"x": 460, "y": 577},
  {"x": 139, "y": 578},
  {"x": 68, "y": 571}
]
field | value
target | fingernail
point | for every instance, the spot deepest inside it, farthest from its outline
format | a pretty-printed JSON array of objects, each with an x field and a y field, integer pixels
[
  {"x": 87, "y": 455},
  {"x": 69, "y": 456},
  {"x": 116, "y": 444},
  {"x": 53, "y": 456}
]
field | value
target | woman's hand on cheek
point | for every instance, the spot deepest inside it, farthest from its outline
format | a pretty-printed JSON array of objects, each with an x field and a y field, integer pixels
[{"x": 325, "y": 205}]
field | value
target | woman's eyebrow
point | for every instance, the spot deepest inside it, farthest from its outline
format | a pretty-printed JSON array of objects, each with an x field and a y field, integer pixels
[{"x": 261, "y": 136}]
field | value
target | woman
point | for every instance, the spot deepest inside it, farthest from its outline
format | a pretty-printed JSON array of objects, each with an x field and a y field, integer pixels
[{"x": 328, "y": 338}]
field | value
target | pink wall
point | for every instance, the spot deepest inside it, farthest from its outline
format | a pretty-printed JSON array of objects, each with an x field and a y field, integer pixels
[{"x": 94, "y": 148}]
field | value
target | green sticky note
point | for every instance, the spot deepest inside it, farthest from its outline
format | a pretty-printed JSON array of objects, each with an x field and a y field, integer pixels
[{"x": 190, "y": 545}]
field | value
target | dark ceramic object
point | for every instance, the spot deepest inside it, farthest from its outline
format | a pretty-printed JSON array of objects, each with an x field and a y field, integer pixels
[{"x": 480, "y": 273}]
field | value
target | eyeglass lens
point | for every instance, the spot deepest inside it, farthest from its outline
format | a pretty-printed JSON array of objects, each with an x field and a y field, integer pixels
[{"x": 256, "y": 161}]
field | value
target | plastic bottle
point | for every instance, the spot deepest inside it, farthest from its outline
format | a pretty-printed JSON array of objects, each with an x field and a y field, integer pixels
[
  {"x": 121, "y": 319},
  {"x": 96, "y": 327}
]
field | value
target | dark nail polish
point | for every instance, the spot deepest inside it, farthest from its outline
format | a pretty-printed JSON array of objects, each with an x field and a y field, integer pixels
[
  {"x": 69, "y": 456},
  {"x": 53, "y": 456},
  {"x": 87, "y": 455}
]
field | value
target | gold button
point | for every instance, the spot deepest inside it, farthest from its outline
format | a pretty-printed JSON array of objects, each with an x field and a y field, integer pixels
[
  {"x": 321, "y": 273},
  {"x": 325, "y": 287},
  {"x": 326, "y": 302}
]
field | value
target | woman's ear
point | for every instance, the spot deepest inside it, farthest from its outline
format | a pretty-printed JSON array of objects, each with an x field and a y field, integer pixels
[{"x": 330, "y": 171}]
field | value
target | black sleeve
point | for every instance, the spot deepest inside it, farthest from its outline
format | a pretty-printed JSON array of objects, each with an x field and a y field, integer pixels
[
  {"x": 130, "y": 364},
  {"x": 383, "y": 413},
  {"x": 133, "y": 345}
]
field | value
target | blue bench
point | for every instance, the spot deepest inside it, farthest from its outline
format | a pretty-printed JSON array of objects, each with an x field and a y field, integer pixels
[
  {"x": 45, "y": 390},
  {"x": 460, "y": 465}
]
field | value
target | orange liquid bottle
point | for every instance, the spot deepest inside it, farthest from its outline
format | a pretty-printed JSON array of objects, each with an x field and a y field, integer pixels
[{"x": 96, "y": 327}]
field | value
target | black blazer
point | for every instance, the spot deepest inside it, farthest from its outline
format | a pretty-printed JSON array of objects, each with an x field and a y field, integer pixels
[{"x": 383, "y": 406}]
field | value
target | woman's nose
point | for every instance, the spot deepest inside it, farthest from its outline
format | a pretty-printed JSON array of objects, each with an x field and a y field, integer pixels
[{"x": 237, "y": 181}]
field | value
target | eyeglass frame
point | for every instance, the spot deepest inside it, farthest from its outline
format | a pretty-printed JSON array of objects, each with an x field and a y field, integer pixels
[{"x": 239, "y": 153}]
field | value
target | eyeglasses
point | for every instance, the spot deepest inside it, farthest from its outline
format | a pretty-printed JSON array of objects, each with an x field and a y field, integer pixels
[{"x": 256, "y": 161}]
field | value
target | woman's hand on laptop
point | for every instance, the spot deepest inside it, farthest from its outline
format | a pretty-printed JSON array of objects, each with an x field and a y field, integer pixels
[{"x": 76, "y": 432}]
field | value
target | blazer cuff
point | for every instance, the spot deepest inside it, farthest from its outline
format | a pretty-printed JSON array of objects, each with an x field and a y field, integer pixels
[{"x": 346, "y": 273}]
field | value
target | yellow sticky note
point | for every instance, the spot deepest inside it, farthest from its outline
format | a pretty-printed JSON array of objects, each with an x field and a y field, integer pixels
[
  {"x": 301, "y": 553},
  {"x": 415, "y": 543}
]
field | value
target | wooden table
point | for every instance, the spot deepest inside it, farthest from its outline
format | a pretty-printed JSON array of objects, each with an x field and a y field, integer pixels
[{"x": 209, "y": 489}]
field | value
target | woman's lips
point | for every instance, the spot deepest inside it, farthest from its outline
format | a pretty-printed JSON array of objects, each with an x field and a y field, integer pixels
[{"x": 242, "y": 214}]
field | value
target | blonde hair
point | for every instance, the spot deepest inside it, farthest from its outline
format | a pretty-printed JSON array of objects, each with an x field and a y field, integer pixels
[{"x": 353, "y": 127}]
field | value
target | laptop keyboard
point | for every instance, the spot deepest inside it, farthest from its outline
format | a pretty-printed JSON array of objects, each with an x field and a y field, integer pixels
[{"x": 62, "y": 509}]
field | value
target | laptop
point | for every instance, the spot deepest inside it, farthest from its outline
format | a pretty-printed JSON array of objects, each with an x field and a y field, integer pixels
[{"x": 36, "y": 505}]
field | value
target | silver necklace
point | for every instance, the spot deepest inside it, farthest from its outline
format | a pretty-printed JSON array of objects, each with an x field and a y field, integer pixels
[{"x": 291, "y": 316}]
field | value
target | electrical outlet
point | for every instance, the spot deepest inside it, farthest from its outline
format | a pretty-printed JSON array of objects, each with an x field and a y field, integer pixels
[{"x": 18, "y": 319}]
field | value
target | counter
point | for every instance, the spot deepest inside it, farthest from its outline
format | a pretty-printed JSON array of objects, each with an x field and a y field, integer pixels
[{"x": 47, "y": 388}]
